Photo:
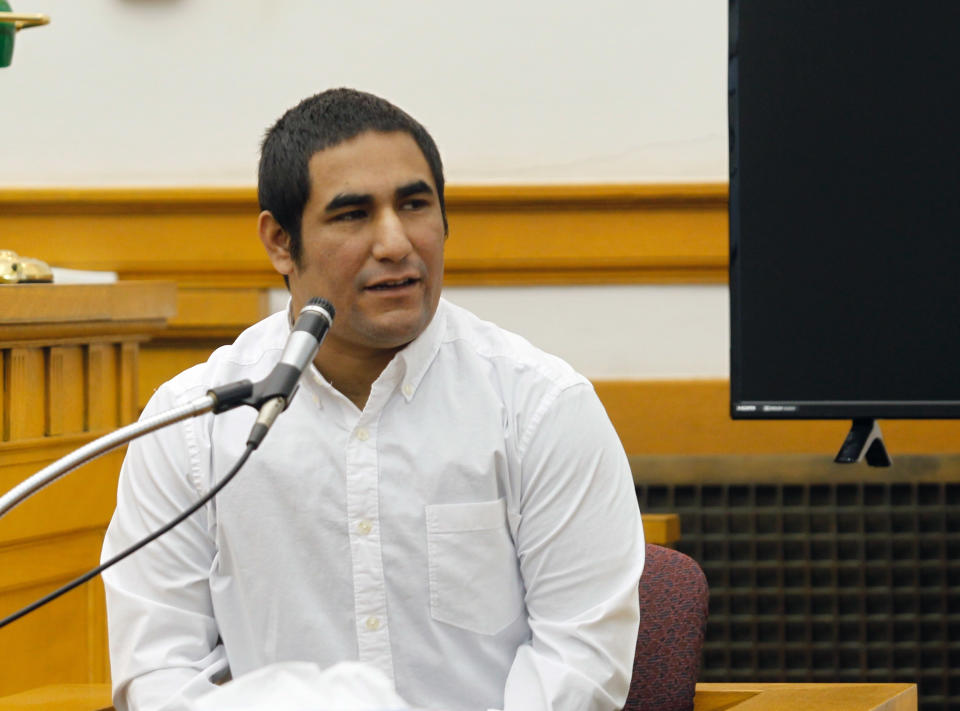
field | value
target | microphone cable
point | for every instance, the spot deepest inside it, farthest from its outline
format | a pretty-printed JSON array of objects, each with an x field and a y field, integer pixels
[{"x": 89, "y": 575}]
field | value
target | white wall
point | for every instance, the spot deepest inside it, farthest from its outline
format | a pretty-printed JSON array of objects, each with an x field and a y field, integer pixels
[
  {"x": 616, "y": 332},
  {"x": 179, "y": 92},
  {"x": 610, "y": 332}
]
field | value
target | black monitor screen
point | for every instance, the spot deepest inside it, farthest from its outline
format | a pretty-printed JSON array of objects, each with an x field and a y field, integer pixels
[{"x": 845, "y": 208}]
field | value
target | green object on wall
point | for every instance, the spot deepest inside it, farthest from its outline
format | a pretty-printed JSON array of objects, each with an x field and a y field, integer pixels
[{"x": 8, "y": 31}]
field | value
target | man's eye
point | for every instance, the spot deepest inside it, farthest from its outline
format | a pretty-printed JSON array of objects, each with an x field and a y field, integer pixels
[
  {"x": 414, "y": 204},
  {"x": 350, "y": 215}
]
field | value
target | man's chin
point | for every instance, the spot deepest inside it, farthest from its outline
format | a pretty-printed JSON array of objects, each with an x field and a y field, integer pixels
[{"x": 395, "y": 333}]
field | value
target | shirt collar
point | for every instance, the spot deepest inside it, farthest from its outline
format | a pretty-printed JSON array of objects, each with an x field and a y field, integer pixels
[
  {"x": 419, "y": 354},
  {"x": 415, "y": 359}
]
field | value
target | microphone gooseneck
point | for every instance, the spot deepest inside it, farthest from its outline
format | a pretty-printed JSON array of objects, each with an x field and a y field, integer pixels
[
  {"x": 305, "y": 338},
  {"x": 272, "y": 394}
]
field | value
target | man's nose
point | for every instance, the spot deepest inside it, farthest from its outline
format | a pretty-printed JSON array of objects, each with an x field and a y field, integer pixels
[{"x": 390, "y": 241}]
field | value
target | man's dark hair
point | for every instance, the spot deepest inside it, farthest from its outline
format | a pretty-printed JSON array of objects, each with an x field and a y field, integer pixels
[{"x": 324, "y": 120}]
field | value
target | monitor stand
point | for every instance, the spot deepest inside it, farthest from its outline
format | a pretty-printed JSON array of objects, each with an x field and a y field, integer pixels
[{"x": 864, "y": 438}]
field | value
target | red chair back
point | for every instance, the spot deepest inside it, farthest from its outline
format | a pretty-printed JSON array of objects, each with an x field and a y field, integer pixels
[{"x": 673, "y": 617}]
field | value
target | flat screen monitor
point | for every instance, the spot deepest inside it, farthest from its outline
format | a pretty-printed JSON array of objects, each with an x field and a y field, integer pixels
[{"x": 844, "y": 208}]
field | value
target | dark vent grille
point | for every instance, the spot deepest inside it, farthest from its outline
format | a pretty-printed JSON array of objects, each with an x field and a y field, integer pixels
[{"x": 832, "y": 582}]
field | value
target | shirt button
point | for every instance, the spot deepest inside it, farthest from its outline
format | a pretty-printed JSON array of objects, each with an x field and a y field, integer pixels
[
  {"x": 408, "y": 390},
  {"x": 363, "y": 435},
  {"x": 364, "y": 527},
  {"x": 373, "y": 624}
]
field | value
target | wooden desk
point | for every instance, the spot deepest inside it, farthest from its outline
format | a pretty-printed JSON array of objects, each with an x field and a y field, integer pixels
[
  {"x": 710, "y": 697},
  {"x": 803, "y": 697}
]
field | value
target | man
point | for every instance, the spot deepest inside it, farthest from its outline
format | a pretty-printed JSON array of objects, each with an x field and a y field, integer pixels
[{"x": 441, "y": 500}]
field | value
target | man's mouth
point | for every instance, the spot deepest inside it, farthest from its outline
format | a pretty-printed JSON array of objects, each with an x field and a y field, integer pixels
[{"x": 393, "y": 284}]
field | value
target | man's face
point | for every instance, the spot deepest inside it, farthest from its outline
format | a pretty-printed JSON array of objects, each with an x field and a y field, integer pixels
[{"x": 373, "y": 239}]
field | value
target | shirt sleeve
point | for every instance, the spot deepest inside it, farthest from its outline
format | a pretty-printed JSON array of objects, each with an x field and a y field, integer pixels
[
  {"x": 164, "y": 647},
  {"x": 580, "y": 546}
]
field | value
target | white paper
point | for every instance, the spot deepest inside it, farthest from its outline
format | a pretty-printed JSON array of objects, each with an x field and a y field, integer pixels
[{"x": 303, "y": 686}]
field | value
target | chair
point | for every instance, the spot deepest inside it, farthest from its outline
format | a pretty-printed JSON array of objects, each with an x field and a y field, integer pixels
[{"x": 673, "y": 619}]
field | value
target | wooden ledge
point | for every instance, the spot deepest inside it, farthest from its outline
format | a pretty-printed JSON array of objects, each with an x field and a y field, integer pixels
[
  {"x": 63, "y": 303},
  {"x": 662, "y": 529},
  {"x": 65, "y": 313},
  {"x": 499, "y": 234},
  {"x": 803, "y": 697},
  {"x": 709, "y": 697}
]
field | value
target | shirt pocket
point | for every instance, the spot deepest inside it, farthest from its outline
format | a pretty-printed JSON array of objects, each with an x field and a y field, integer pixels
[{"x": 474, "y": 577}]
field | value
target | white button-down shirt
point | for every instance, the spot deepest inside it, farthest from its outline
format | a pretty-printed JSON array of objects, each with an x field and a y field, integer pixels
[{"x": 472, "y": 533}]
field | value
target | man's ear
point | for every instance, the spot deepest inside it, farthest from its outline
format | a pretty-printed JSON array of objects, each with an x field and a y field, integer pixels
[{"x": 276, "y": 241}]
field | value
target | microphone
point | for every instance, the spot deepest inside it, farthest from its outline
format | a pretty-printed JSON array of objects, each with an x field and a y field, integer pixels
[
  {"x": 272, "y": 394},
  {"x": 308, "y": 333},
  {"x": 276, "y": 390}
]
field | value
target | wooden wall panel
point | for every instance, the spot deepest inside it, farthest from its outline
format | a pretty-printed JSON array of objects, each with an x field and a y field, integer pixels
[
  {"x": 587, "y": 234},
  {"x": 217, "y": 312},
  {"x": 81, "y": 500},
  {"x": 57, "y": 641},
  {"x": 522, "y": 234},
  {"x": 24, "y": 384},
  {"x": 49, "y": 645},
  {"x": 691, "y": 417},
  {"x": 65, "y": 393},
  {"x": 161, "y": 360},
  {"x": 128, "y": 406},
  {"x": 103, "y": 408},
  {"x": 47, "y": 557},
  {"x": 98, "y": 645},
  {"x": 44, "y": 543}
]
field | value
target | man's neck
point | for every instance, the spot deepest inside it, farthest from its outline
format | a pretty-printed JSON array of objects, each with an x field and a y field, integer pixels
[{"x": 350, "y": 371}]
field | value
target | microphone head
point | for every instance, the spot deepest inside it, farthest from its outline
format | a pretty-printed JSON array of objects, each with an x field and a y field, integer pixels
[{"x": 322, "y": 303}]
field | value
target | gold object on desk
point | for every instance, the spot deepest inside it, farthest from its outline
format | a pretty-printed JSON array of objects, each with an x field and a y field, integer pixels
[
  {"x": 10, "y": 24},
  {"x": 21, "y": 20},
  {"x": 15, "y": 269}
]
